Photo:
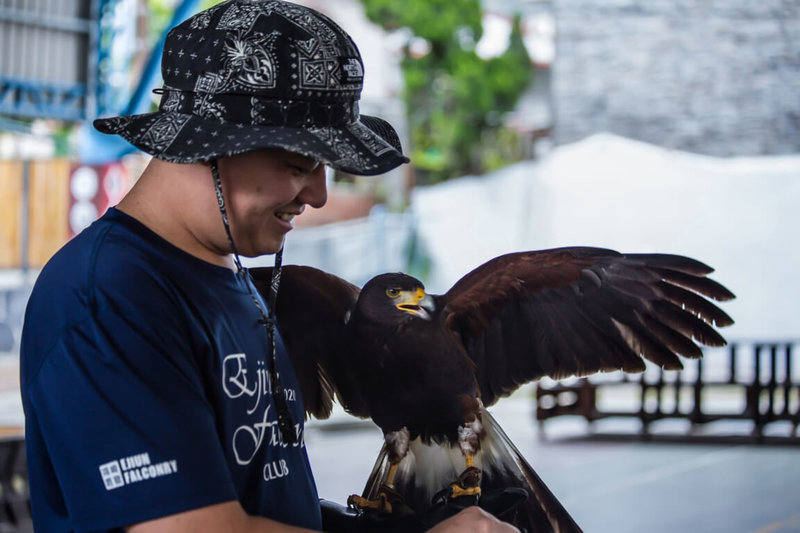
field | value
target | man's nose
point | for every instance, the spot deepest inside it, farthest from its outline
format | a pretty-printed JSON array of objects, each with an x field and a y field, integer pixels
[{"x": 315, "y": 190}]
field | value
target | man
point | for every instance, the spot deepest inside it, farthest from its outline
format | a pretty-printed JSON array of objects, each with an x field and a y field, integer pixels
[{"x": 158, "y": 395}]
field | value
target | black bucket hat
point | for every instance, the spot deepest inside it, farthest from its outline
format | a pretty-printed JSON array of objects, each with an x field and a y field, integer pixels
[{"x": 251, "y": 74}]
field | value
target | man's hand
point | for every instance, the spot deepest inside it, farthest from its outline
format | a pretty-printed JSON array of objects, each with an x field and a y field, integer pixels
[
  {"x": 444, "y": 516},
  {"x": 473, "y": 519}
]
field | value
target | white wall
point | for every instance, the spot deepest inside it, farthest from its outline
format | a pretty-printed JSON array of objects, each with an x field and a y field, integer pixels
[{"x": 739, "y": 215}]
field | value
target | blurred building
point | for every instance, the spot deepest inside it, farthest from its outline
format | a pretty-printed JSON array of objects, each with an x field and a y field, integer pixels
[
  {"x": 532, "y": 119},
  {"x": 717, "y": 77}
]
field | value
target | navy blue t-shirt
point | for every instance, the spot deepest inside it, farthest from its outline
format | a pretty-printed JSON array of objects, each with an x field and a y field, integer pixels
[{"x": 146, "y": 389}]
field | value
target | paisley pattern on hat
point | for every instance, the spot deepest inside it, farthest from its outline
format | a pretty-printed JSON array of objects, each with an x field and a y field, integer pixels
[
  {"x": 171, "y": 101},
  {"x": 250, "y": 74},
  {"x": 164, "y": 130},
  {"x": 250, "y": 64}
]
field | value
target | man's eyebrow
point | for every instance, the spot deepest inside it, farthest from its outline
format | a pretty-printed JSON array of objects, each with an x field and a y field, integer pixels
[{"x": 303, "y": 160}]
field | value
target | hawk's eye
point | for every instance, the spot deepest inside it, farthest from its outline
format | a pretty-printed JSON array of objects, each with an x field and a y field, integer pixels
[{"x": 393, "y": 292}]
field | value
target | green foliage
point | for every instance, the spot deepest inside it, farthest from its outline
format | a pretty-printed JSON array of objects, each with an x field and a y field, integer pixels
[
  {"x": 205, "y": 4},
  {"x": 434, "y": 20},
  {"x": 159, "y": 16},
  {"x": 455, "y": 99}
]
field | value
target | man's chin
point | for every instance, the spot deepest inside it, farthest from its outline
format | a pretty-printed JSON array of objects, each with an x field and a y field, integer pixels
[{"x": 263, "y": 249}]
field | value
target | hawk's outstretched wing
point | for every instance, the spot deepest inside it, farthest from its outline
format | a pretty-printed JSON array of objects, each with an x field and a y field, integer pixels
[{"x": 576, "y": 311}]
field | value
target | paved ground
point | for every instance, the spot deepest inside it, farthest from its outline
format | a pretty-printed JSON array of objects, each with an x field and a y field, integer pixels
[
  {"x": 617, "y": 486},
  {"x": 613, "y": 485}
]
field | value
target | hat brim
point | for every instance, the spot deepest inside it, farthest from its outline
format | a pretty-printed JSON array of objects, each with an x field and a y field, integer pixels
[{"x": 367, "y": 147}]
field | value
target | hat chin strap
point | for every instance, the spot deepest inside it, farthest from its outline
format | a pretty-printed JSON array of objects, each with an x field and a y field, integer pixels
[{"x": 285, "y": 422}]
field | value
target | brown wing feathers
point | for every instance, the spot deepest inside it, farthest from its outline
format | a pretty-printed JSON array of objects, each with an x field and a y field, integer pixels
[
  {"x": 311, "y": 308},
  {"x": 575, "y": 311}
]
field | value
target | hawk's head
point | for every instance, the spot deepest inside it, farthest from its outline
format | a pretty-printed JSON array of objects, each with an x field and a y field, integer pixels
[{"x": 393, "y": 296}]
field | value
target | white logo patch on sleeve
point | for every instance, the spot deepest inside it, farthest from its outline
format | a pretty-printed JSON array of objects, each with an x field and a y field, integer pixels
[{"x": 133, "y": 469}]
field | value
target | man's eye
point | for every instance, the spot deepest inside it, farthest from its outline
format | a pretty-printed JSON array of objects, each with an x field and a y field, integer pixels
[
  {"x": 302, "y": 167},
  {"x": 299, "y": 170}
]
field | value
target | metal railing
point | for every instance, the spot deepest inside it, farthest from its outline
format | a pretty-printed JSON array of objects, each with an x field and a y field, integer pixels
[{"x": 756, "y": 382}]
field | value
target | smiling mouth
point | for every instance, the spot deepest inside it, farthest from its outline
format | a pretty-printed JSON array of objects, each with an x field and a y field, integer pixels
[
  {"x": 286, "y": 217},
  {"x": 289, "y": 216}
]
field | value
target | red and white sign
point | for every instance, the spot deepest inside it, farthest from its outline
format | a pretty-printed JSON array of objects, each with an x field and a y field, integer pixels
[{"x": 93, "y": 189}]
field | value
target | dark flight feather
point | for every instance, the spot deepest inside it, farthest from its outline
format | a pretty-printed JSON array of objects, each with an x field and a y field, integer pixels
[{"x": 311, "y": 310}]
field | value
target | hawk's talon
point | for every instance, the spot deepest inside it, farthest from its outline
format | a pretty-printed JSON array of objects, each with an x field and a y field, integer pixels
[
  {"x": 388, "y": 501},
  {"x": 456, "y": 491},
  {"x": 382, "y": 504},
  {"x": 467, "y": 484}
]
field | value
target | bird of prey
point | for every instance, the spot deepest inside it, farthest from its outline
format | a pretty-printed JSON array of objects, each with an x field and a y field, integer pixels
[{"x": 425, "y": 367}]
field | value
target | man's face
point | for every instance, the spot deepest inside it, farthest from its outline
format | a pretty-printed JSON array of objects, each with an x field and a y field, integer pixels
[{"x": 264, "y": 190}]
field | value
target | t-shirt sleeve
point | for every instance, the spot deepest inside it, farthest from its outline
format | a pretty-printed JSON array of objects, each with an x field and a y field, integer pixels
[{"x": 122, "y": 408}]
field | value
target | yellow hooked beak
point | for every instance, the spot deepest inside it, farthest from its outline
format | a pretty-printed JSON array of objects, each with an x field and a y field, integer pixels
[{"x": 415, "y": 303}]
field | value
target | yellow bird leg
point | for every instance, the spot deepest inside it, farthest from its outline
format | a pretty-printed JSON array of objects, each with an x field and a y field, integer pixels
[
  {"x": 469, "y": 482},
  {"x": 389, "y": 481},
  {"x": 457, "y": 490}
]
